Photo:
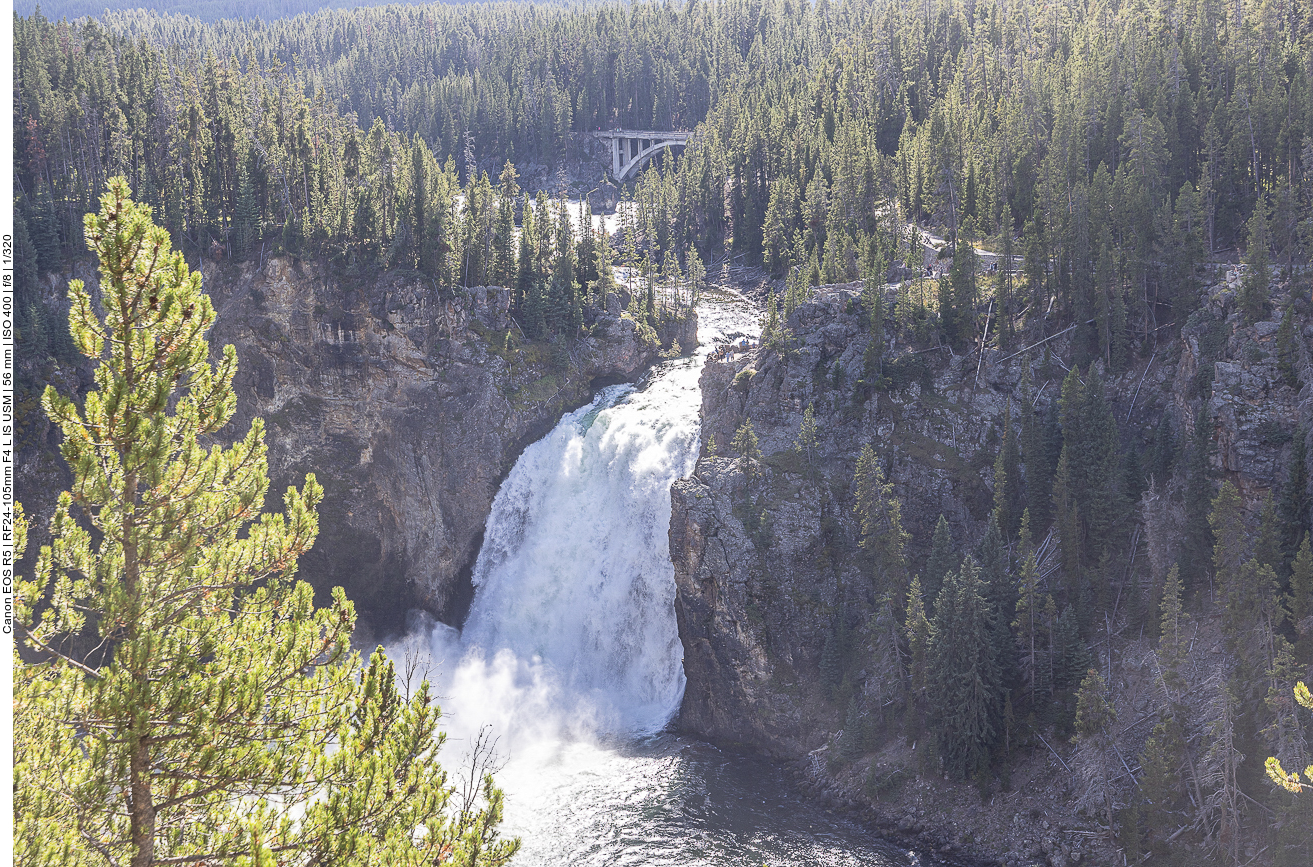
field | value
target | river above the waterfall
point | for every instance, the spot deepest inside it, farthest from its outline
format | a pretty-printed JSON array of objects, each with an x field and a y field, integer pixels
[{"x": 570, "y": 665}]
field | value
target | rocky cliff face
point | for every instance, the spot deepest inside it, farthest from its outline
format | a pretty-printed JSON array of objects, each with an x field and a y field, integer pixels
[
  {"x": 758, "y": 596},
  {"x": 410, "y": 406},
  {"x": 771, "y": 577}
]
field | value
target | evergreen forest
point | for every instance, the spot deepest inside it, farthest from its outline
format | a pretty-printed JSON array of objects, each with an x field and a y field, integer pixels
[
  {"x": 1110, "y": 158},
  {"x": 1113, "y": 147}
]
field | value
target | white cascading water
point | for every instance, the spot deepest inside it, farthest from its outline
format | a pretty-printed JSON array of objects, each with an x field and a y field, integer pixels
[
  {"x": 575, "y": 573},
  {"x": 570, "y": 657},
  {"x": 573, "y": 618}
]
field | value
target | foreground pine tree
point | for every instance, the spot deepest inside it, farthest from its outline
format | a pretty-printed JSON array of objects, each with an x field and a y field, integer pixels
[{"x": 191, "y": 705}]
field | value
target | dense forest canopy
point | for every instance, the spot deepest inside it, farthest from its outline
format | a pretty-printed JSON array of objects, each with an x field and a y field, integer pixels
[
  {"x": 1107, "y": 143},
  {"x": 205, "y": 10},
  {"x": 1102, "y": 152},
  {"x": 1106, "y": 150}
]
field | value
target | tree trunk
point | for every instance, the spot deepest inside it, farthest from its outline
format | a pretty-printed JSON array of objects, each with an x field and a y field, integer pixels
[{"x": 142, "y": 806}]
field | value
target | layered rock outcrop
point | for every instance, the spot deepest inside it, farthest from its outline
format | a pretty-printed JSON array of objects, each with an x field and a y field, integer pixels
[{"x": 758, "y": 596}]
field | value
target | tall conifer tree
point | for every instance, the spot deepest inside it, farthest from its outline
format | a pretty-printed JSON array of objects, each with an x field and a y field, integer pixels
[
  {"x": 220, "y": 717},
  {"x": 965, "y": 696},
  {"x": 944, "y": 558},
  {"x": 1029, "y": 621},
  {"x": 1009, "y": 490}
]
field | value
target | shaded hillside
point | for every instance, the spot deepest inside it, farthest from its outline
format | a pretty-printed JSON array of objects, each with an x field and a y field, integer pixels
[{"x": 828, "y": 613}]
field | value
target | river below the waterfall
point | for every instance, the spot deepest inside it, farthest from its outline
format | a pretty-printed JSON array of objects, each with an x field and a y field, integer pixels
[{"x": 569, "y": 664}]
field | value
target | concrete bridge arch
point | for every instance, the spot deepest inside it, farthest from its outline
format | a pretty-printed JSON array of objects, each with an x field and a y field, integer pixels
[{"x": 632, "y": 148}]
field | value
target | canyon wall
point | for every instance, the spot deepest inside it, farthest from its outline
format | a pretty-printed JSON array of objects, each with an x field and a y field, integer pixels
[
  {"x": 772, "y": 576},
  {"x": 408, "y": 403}
]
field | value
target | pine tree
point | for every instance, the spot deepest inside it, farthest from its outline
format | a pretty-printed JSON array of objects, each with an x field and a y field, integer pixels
[
  {"x": 671, "y": 275},
  {"x": 1107, "y": 288},
  {"x": 1072, "y": 656},
  {"x": 585, "y": 257},
  {"x": 1009, "y": 498},
  {"x": 535, "y": 309},
  {"x": 526, "y": 265},
  {"x": 1120, "y": 340},
  {"x": 1230, "y": 531},
  {"x": 1067, "y": 517},
  {"x": 960, "y": 326},
  {"x": 919, "y": 634},
  {"x": 1254, "y": 288},
  {"x": 882, "y": 522},
  {"x": 1284, "y": 731},
  {"x": 1054, "y": 654},
  {"x": 1160, "y": 778},
  {"x": 563, "y": 310},
  {"x": 969, "y": 198},
  {"x": 1036, "y": 259},
  {"x": 43, "y": 226},
  {"x": 950, "y": 318},
  {"x": 1219, "y": 773},
  {"x": 1031, "y": 439},
  {"x": 965, "y": 696},
  {"x": 1172, "y": 644},
  {"x": 504, "y": 253},
  {"x": 1267, "y": 546},
  {"x": 943, "y": 559},
  {"x": 1133, "y": 483},
  {"x": 1001, "y": 594},
  {"x": 1163, "y": 452},
  {"x": 1040, "y": 468},
  {"x": 808, "y": 437},
  {"x": 1029, "y": 621},
  {"x": 223, "y": 718},
  {"x": 1095, "y": 717},
  {"x": 857, "y": 730},
  {"x": 1007, "y": 309},
  {"x": 246, "y": 222},
  {"x": 697, "y": 273},
  {"x": 1106, "y": 503},
  {"x": 795, "y": 292},
  {"x": 606, "y": 282},
  {"x": 745, "y": 443}
]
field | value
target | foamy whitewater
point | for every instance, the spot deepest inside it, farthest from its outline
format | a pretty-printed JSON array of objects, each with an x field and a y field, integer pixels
[{"x": 570, "y": 657}]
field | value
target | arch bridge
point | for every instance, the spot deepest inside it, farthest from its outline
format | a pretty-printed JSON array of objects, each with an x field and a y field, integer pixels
[{"x": 632, "y": 148}]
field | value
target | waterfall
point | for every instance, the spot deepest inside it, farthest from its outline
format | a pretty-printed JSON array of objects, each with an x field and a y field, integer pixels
[
  {"x": 574, "y": 591},
  {"x": 570, "y": 658},
  {"x": 572, "y": 631}
]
